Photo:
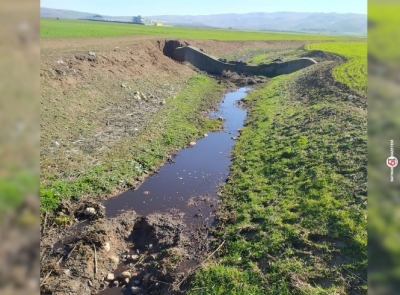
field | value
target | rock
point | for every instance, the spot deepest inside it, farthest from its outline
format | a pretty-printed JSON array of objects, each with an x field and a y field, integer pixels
[
  {"x": 192, "y": 143},
  {"x": 147, "y": 277},
  {"x": 80, "y": 57},
  {"x": 116, "y": 283},
  {"x": 60, "y": 61},
  {"x": 123, "y": 85},
  {"x": 135, "y": 290},
  {"x": 136, "y": 282},
  {"x": 162, "y": 102},
  {"x": 91, "y": 58},
  {"x": 205, "y": 134},
  {"x": 350, "y": 97},
  {"x": 126, "y": 281},
  {"x": 91, "y": 53},
  {"x": 234, "y": 137},
  {"x": 114, "y": 259},
  {"x": 124, "y": 275},
  {"x": 107, "y": 247},
  {"x": 110, "y": 277},
  {"x": 153, "y": 257},
  {"x": 134, "y": 257},
  {"x": 90, "y": 211},
  {"x": 220, "y": 118},
  {"x": 55, "y": 143}
]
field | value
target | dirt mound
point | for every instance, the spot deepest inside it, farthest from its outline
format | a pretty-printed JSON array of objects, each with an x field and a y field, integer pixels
[
  {"x": 320, "y": 77},
  {"x": 319, "y": 56},
  {"x": 153, "y": 254},
  {"x": 232, "y": 78}
]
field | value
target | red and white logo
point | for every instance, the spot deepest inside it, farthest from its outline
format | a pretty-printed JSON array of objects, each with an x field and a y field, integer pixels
[{"x": 392, "y": 162}]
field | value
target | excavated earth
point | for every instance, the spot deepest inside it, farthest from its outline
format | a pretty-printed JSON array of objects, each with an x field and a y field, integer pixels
[{"x": 159, "y": 250}]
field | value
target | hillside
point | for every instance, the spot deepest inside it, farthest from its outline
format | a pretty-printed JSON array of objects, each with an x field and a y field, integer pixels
[{"x": 325, "y": 23}]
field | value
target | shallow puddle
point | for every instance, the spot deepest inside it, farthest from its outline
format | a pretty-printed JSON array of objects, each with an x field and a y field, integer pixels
[{"x": 191, "y": 183}]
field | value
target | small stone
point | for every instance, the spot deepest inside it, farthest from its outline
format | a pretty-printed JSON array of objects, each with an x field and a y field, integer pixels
[
  {"x": 116, "y": 283},
  {"x": 91, "y": 53},
  {"x": 110, "y": 277},
  {"x": 150, "y": 246},
  {"x": 123, "y": 85},
  {"x": 205, "y": 134},
  {"x": 350, "y": 97},
  {"x": 162, "y": 102},
  {"x": 123, "y": 256},
  {"x": 124, "y": 275},
  {"x": 90, "y": 211},
  {"x": 135, "y": 290},
  {"x": 136, "y": 282},
  {"x": 234, "y": 137},
  {"x": 126, "y": 281},
  {"x": 60, "y": 61},
  {"x": 220, "y": 118},
  {"x": 115, "y": 259},
  {"x": 135, "y": 257},
  {"x": 55, "y": 143},
  {"x": 192, "y": 143},
  {"x": 107, "y": 247},
  {"x": 147, "y": 277}
]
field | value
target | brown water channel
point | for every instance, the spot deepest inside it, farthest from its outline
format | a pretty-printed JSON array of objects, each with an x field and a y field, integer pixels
[{"x": 189, "y": 184}]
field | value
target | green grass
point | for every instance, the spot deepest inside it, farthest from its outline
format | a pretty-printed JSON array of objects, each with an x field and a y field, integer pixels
[
  {"x": 180, "y": 121},
  {"x": 51, "y": 28},
  {"x": 354, "y": 71},
  {"x": 268, "y": 57},
  {"x": 383, "y": 32},
  {"x": 293, "y": 212}
]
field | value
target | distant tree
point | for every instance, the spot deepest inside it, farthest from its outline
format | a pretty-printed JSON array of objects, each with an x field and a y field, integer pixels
[{"x": 57, "y": 18}]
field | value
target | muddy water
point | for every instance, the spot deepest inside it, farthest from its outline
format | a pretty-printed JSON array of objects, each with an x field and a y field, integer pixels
[{"x": 189, "y": 184}]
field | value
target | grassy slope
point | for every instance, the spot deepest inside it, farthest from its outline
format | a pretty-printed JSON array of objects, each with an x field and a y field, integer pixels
[
  {"x": 354, "y": 71},
  {"x": 50, "y": 28},
  {"x": 294, "y": 211},
  {"x": 180, "y": 121}
]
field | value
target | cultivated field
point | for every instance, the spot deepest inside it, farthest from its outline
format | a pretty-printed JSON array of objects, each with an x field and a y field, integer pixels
[
  {"x": 50, "y": 28},
  {"x": 354, "y": 71}
]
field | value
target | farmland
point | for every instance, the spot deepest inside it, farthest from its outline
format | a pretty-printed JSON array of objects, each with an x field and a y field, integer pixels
[
  {"x": 354, "y": 72},
  {"x": 50, "y": 28}
]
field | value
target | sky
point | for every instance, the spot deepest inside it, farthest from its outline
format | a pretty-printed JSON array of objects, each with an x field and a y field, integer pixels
[{"x": 205, "y": 7}]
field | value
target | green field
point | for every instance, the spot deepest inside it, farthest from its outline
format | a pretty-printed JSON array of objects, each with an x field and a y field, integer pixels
[
  {"x": 51, "y": 28},
  {"x": 354, "y": 71}
]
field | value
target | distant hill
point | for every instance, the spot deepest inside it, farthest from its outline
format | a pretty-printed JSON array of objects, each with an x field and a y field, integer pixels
[
  {"x": 64, "y": 14},
  {"x": 324, "y": 23},
  {"x": 329, "y": 23}
]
